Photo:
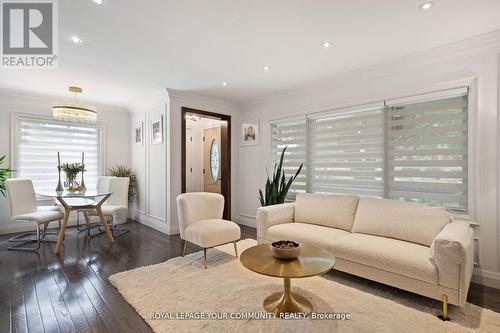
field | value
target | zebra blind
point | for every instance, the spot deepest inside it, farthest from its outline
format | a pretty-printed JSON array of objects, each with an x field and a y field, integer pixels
[
  {"x": 39, "y": 140},
  {"x": 427, "y": 152},
  {"x": 346, "y": 152},
  {"x": 412, "y": 149},
  {"x": 291, "y": 133}
]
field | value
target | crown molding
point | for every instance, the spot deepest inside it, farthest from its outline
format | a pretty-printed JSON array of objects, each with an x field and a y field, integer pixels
[
  {"x": 489, "y": 42},
  {"x": 26, "y": 97},
  {"x": 198, "y": 98},
  {"x": 144, "y": 103}
]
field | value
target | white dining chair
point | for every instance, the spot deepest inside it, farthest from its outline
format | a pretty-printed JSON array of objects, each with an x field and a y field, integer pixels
[
  {"x": 201, "y": 223},
  {"x": 23, "y": 207},
  {"x": 102, "y": 186},
  {"x": 115, "y": 207}
]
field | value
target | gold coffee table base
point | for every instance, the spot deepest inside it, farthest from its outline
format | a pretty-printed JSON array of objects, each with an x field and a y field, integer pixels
[
  {"x": 312, "y": 261},
  {"x": 287, "y": 302}
]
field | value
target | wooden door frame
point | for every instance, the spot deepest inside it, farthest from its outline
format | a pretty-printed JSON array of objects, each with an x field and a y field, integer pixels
[{"x": 225, "y": 154}]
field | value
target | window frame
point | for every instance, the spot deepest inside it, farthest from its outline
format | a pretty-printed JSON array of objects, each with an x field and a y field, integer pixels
[
  {"x": 15, "y": 118},
  {"x": 470, "y": 83}
]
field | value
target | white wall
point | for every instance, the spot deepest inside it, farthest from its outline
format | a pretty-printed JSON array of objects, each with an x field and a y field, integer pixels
[
  {"x": 158, "y": 167},
  {"x": 149, "y": 162},
  {"x": 115, "y": 121},
  {"x": 177, "y": 101},
  {"x": 475, "y": 60}
]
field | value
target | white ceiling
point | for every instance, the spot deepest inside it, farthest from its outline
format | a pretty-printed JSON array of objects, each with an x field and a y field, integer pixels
[{"x": 134, "y": 48}]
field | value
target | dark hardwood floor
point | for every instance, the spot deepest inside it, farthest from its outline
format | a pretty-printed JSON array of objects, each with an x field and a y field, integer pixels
[{"x": 45, "y": 293}]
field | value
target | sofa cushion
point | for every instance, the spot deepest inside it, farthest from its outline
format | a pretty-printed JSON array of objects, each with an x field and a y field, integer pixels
[
  {"x": 392, "y": 255},
  {"x": 406, "y": 221},
  {"x": 306, "y": 233},
  {"x": 336, "y": 211}
]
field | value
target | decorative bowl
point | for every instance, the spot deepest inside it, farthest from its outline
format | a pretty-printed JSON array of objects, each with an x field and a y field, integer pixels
[{"x": 285, "y": 249}]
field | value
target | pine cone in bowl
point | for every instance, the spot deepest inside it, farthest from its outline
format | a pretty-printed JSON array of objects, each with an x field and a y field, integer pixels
[{"x": 285, "y": 249}]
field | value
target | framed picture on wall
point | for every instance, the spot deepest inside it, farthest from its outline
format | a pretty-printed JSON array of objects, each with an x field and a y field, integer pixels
[
  {"x": 157, "y": 131},
  {"x": 250, "y": 133},
  {"x": 139, "y": 134}
]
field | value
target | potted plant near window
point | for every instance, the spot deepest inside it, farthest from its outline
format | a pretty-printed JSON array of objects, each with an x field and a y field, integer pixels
[
  {"x": 277, "y": 187},
  {"x": 123, "y": 171},
  {"x": 4, "y": 173}
]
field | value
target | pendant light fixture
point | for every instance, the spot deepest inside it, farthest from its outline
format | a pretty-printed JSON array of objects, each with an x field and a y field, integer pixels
[{"x": 74, "y": 111}]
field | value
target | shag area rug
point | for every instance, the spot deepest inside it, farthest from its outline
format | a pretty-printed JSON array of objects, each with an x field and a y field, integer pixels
[{"x": 182, "y": 285}]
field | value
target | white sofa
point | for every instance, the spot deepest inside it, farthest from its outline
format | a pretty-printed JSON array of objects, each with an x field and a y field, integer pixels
[{"x": 407, "y": 245}]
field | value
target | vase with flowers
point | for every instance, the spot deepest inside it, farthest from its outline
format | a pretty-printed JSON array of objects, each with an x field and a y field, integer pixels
[{"x": 71, "y": 171}]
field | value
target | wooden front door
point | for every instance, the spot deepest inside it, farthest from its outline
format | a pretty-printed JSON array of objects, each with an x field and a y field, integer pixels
[{"x": 212, "y": 159}]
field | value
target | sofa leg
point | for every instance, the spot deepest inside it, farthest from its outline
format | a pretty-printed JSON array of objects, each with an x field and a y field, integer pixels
[
  {"x": 184, "y": 249},
  {"x": 444, "y": 315},
  {"x": 235, "y": 249},
  {"x": 205, "y": 258}
]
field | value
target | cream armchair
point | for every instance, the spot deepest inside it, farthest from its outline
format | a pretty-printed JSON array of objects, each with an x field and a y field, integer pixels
[{"x": 201, "y": 223}]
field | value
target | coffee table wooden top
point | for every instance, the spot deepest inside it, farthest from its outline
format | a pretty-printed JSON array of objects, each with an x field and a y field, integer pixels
[{"x": 310, "y": 262}]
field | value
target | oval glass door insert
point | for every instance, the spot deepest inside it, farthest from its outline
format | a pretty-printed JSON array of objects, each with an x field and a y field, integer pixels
[{"x": 214, "y": 161}]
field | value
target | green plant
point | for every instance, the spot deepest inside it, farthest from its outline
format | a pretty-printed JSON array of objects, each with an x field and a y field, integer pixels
[
  {"x": 72, "y": 170},
  {"x": 123, "y": 171},
  {"x": 4, "y": 172},
  {"x": 277, "y": 188}
]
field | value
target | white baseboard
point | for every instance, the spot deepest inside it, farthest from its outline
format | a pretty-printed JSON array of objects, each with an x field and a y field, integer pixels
[
  {"x": 154, "y": 222},
  {"x": 486, "y": 278},
  {"x": 246, "y": 220}
]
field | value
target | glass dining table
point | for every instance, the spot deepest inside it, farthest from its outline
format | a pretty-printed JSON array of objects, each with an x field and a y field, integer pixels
[{"x": 71, "y": 201}]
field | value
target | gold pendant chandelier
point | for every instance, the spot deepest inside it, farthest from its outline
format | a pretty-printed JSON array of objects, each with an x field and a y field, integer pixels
[{"x": 74, "y": 111}]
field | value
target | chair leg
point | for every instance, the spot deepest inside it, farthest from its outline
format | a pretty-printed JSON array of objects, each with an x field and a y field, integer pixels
[
  {"x": 116, "y": 232},
  {"x": 444, "y": 315},
  {"x": 45, "y": 233},
  {"x": 184, "y": 248},
  {"x": 22, "y": 237},
  {"x": 32, "y": 236},
  {"x": 205, "y": 258},
  {"x": 78, "y": 222},
  {"x": 235, "y": 249},
  {"x": 88, "y": 222},
  {"x": 20, "y": 247}
]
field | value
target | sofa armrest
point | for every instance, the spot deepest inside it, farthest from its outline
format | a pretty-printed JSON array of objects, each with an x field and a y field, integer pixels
[
  {"x": 273, "y": 215},
  {"x": 453, "y": 253},
  {"x": 453, "y": 243}
]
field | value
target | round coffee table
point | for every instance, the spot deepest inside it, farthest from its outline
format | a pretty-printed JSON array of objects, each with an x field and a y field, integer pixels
[{"x": 311, "y": 261}]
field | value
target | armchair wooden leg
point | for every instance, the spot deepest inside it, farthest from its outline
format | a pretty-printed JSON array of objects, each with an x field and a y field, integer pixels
[
  {"x": 444, "y": 315},
  {"x": 184, "y": 249},
  {"x": 235, "y": 249},
  {"x": 205, "y": 258}
]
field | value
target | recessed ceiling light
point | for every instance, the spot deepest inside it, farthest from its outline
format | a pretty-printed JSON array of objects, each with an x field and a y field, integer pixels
[
  {"x": 326, "y": 44},
  {"x": 266, "y": 68},
  {"x": 76, "y": 40},
  {"x": 98, "y": 2},
  {"x": 224, "y": 83},
  {"x": 427, "y": 5}
]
